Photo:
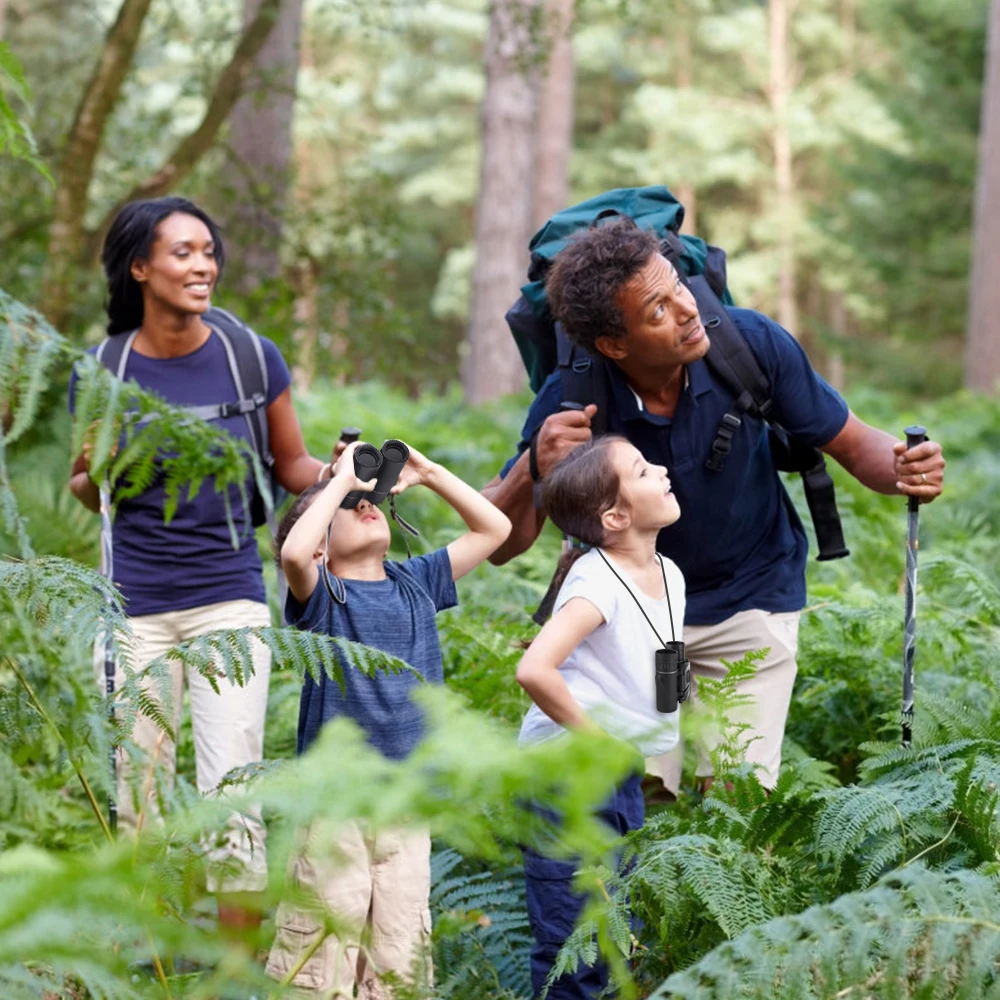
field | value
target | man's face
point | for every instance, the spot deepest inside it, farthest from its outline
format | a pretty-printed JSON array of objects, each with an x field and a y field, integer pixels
[{"x": 661, "y": 319}]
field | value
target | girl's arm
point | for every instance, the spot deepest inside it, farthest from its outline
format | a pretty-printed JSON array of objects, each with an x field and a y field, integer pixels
[
  {"x": 304, "y": 543},
  {"x": 488, "y": 527},
  {"x": 538, "y": 672}
]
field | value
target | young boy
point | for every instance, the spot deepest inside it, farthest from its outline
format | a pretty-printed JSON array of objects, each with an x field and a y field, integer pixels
[{"x": 341, "y": 584}]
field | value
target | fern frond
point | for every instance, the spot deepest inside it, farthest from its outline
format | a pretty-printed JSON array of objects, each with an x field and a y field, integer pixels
[{"x": 917, "y": 933}]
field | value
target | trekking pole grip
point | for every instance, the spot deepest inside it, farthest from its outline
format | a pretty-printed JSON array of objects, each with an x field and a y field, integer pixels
[{"x": 915, "y": 434}]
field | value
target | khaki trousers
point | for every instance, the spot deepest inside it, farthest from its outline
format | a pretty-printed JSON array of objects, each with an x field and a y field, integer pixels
[
  {"x": 375, "y": 886},
  {"x": 770, "y": 687},
  {"x": 228, "y": 732}
]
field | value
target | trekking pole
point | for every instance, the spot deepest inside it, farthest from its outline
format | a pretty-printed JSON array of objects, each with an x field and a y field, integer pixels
[
  {"x": 107, "y": 571},
  {"x": 914, "y": 435}
]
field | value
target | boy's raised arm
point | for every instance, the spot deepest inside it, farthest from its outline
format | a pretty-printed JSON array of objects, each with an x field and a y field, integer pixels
[
  {"x": 305, "y": 538},
  {"x": 488, "y": 526}
]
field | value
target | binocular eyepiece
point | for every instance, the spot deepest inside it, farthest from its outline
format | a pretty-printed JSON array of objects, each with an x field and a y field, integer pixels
[
  {"x": 673, "y": 677},
  {"x": 383, "y": 466}
]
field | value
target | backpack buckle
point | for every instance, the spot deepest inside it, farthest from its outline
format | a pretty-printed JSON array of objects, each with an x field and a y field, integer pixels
[
  {"x": 243, "y": 406},
  {"x": 580, "y": 365},
  {"x": 723, "y": 443}
]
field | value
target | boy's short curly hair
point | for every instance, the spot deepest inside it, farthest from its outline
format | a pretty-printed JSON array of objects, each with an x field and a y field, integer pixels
[{"x": 588, "y": 275}]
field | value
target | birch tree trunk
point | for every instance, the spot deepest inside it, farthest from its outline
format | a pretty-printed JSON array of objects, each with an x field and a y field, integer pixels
[
  {"x": 779, "y": 90},
  {"x": 492, "y": 364},
  {"x": 554, "y": 128},
  {"x": 260, "y": 147},
  {"x": 982, "y": 348}
]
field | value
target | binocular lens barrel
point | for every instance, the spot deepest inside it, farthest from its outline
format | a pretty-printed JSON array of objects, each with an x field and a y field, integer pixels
[
  {"x": 667, "y": 669},
  {"x": 394, "y": 456},
  {"x": 383, "y": 466}
]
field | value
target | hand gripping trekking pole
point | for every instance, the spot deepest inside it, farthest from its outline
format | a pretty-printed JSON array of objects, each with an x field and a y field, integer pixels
[
  {"x": 107, "y": 571},
  {"x": 914, "y": 435}
]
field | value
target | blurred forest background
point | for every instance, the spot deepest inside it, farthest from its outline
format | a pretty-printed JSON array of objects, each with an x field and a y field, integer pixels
[{"x": 380, "y": 166}]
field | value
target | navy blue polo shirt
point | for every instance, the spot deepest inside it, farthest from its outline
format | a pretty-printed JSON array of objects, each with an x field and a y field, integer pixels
[{"x": 739, "y": 542}]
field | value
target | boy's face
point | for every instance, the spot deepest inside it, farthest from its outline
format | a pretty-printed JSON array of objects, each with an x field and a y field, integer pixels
[
  {"x": 355, "y": 534},
  {"x": 645, "y": 488}
]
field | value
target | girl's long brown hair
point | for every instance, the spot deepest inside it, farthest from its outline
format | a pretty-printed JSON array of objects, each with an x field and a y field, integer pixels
[{"x": 576, "y": 494}]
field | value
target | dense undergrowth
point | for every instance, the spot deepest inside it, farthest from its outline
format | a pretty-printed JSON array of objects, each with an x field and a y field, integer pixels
[{"x": 870, "y": 872}]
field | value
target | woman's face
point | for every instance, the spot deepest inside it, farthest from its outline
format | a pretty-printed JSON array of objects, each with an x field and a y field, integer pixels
[{"x": 181, "y": 270}]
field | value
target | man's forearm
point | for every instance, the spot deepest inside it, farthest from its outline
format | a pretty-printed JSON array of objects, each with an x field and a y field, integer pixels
[
  {"x": 514, "y": 495},
  {"x": 867, "y": 454}
]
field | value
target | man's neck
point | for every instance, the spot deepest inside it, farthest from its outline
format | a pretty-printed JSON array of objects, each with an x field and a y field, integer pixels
[{"x": 658, "y": 388}]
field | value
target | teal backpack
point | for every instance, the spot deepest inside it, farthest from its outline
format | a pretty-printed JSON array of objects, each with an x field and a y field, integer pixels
[{"x": 544, "y": 346}]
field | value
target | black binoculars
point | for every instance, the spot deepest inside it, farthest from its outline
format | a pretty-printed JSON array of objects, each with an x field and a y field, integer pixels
[
  {"x": 673, "y": 677},
  {"x": 383, "y": 466}
]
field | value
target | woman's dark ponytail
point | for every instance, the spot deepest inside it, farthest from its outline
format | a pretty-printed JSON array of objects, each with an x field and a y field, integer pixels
[{"x": 129, "y": 239}]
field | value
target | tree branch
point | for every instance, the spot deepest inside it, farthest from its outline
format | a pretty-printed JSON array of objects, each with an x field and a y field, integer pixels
[
  {"x": 191, "y": 149},
  {"x": 76, "y": 166}
]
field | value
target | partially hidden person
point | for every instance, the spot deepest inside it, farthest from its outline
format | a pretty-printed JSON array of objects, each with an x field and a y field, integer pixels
[
  {"x": 376, "y": 882},
  {"x": 741, "y": 546},
  {"x": 593, "y": 663},
  {"x": 163, "y": 259}
]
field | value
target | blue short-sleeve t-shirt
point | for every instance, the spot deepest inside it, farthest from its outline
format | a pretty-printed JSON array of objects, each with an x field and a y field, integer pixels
[
  {"x": 395, "y": 615},
  {"x": 189, "y": 562},
  {"x": 739, "y": 542}
]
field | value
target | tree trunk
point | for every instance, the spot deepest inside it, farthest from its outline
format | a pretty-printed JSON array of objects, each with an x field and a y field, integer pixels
[
  {"x": 982, "y": 350},
  {"x": 779, "y": 90},
  {"x": 492, "y": 364},
  {"x": 260, "y": 148},
  {"x": 305, "y": 279},
  {"x": 685, "y": 189},
  {"x": 76, "y": 167},
  {"x": 554, "y": 130},
  {"x": 193, "y": 147}
]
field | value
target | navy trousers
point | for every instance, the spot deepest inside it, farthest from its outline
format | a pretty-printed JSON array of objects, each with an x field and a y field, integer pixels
[{"x": 554, "y": 908}]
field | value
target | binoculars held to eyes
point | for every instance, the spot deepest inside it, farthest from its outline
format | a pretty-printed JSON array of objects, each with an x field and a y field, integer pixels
[
  {"x": 383, "y": 466},
  {"x": 673, "y": 677}
]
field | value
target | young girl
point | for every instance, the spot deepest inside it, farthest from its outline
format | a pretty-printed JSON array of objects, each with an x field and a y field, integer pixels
[
  {"x": 341, "y": 584},
  {"x": 593, "y": 663}
]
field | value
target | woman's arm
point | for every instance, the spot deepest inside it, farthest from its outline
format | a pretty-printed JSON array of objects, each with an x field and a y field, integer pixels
[
  {"x": 538, "y": 672},
  {"x": 295, "y": 467},
  {"x": 304, "y": 543},
  {"x": 83, "y": 487},
  {"x": 488, "y": 527}
]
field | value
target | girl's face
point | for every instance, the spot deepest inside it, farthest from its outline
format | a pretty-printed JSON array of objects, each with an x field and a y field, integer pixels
[
  {"x": 644, "y": 488},
  {"x": 182, "y": 270},
  {"x": 358, "y": 532}
]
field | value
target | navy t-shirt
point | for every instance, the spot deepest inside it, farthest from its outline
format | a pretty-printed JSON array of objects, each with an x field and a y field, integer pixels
[
  {"x": 739, "y": 541},
  {"x": 395, "y": 615},
  {"x": 189, "y": 562}
]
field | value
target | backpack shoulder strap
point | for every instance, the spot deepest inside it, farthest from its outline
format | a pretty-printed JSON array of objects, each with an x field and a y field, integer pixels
[
  {"x": 584, "y": 379},
  {"x": 732, "y": 359},
  {"x": 113, "y": 353},
  {"x": 249, "y": 371}
]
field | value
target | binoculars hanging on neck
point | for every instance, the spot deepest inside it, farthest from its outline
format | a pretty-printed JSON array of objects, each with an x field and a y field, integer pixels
[
  {"x": 673, "y": 677},
  {"x": 383, "y": 466}
]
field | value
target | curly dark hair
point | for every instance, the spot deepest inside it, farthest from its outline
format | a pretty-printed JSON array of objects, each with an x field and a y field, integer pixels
[{"x": 588, "y": 274}]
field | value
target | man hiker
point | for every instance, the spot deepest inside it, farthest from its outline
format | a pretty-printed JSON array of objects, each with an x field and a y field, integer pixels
[{"x": 739, "y": 543}]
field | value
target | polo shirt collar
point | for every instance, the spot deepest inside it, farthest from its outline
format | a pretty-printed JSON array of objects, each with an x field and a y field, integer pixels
[{"x": 627, "y": 401}]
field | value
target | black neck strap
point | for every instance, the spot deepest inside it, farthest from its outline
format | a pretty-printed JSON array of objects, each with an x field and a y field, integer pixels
[{"x": 638, "y": 603}]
